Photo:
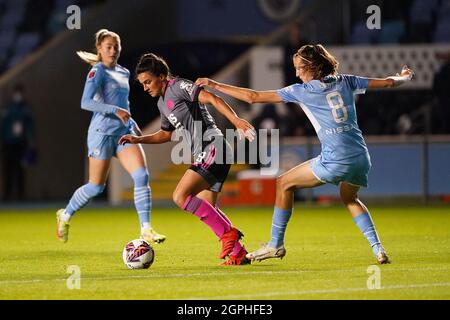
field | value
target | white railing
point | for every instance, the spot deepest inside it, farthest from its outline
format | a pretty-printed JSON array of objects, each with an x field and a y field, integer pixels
[{"x": 383, "y": 60}]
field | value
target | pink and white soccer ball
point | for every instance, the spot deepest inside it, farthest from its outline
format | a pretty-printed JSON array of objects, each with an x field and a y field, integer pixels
[{"x": 138, "y": 254}]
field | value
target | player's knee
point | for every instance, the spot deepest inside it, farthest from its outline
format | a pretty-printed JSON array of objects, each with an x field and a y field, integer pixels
[
  {"x": 179, "y": 198},
  {"x": 140, "y": 177},
  {"x": 281, "y": 184},
  {"x": 94, "y": 190}
]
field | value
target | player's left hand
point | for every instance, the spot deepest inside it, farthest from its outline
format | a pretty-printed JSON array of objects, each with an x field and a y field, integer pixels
[
  {"x": 245, "y": 129},
  {"x": 128, "y": 138},
  {"x": 407, "y": 72},
  {"x": 205, "y": 82}
]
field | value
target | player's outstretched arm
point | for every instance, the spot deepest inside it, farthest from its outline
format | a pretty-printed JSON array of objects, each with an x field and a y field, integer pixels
[
  {"x": 243, "y": 94},
  {"x": 244, "y": 127},
  {"x": 160, "y": 136},
  {"x": 393, "y": 81}
]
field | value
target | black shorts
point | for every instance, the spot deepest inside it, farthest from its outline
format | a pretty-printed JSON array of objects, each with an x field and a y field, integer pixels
[{"x": 213, "y": 164}]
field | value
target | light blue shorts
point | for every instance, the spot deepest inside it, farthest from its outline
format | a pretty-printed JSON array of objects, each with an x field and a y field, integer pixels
[
  {"x": 354, "y": 170},
  {"x": 104, "y": 147}
]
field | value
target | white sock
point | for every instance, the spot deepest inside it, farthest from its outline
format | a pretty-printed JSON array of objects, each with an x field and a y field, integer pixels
[
  {"x": 65, "y": 216},
  {"x": 145, "y": 225}
]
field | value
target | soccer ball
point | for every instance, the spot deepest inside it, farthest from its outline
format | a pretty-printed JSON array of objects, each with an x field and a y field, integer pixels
[{"x": 138, "y": 254}]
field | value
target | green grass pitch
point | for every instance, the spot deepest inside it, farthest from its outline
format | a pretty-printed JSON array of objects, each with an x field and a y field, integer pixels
[{"x": 327, "y": 257}]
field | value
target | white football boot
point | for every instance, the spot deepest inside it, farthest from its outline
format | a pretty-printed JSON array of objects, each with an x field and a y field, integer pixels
[
  {"x": 267, "y": 252},
  {"x": 151, "y": 236},
  {"x": 382, "y": 256},
  {"x": 62, "y": 227}
]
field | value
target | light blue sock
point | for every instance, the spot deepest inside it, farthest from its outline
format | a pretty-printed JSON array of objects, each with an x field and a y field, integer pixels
[
  {"x": 82, "y": 196},
  {"x": 142, "y": 195},
  {"x": 280, "y": 220},
  {"x": 365, "y": 224}
]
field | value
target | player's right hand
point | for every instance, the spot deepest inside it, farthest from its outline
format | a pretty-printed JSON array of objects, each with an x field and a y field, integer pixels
[
  {"x": 244, "y": 129},
  {"x": 128, "y": 138},
  {"x": 123, "y": 115},
  {"x": 135, "y": 128}
]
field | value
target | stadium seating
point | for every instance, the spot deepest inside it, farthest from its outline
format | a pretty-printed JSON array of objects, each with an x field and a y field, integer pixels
[
  {"x": 442, "y": 30},
  {"x": 362, "y": 35},
  {"x": 392, "y": 32},
  {"x": 27, "y": 24},
  {"x": 422, "y": 11},
  {"x": 23, "y": 45}
]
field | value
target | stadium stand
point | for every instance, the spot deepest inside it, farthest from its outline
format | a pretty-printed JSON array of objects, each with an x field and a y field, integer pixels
[
  {"x": 25, "y": 25},
  {"x": 410, "y": 31}
]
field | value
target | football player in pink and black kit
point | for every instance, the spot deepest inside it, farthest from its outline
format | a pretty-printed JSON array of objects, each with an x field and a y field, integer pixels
[{"x": 182, "y": 105}]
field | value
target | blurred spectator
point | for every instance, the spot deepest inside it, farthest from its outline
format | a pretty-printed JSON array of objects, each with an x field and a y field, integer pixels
[
  {"x": 268, "y": 119},
  {"x": 441, "y": 85},
  {"x": 394, "y": 15},
  {"x": 441, "y": 33},
  {"x": 294, "y": 121},
  {"x": 360, "y": 33},
  {"x": 294, "y": 42},
  {"x": 16, "y": 138},
  {"x": 422, "y": 15}
]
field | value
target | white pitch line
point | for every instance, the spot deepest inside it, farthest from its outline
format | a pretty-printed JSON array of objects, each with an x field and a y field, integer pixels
[
  {"x": 212, "y": 274},
  {"x": 305, "y": 292},
  {"x": 174, "y": 275}
]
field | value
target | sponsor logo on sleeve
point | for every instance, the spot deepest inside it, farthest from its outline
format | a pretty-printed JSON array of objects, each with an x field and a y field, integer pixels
[{"x": 189, "y": 87}]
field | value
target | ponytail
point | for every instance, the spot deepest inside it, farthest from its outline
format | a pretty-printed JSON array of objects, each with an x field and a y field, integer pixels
[{"x": 89, "y": 57}]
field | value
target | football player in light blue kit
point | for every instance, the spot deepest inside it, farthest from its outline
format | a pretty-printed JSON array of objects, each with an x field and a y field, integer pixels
[
  {"x": 328, "y": 99},
  {"x": 106, "y": 95}
]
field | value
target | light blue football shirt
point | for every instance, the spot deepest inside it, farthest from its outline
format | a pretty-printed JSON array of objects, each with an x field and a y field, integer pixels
[
  {"x": 330, "y": 106},
  {"x": 106, "y": 90}
]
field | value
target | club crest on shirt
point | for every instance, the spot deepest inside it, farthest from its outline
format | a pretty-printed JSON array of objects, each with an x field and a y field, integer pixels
[{"x": 92, "y": 73}]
